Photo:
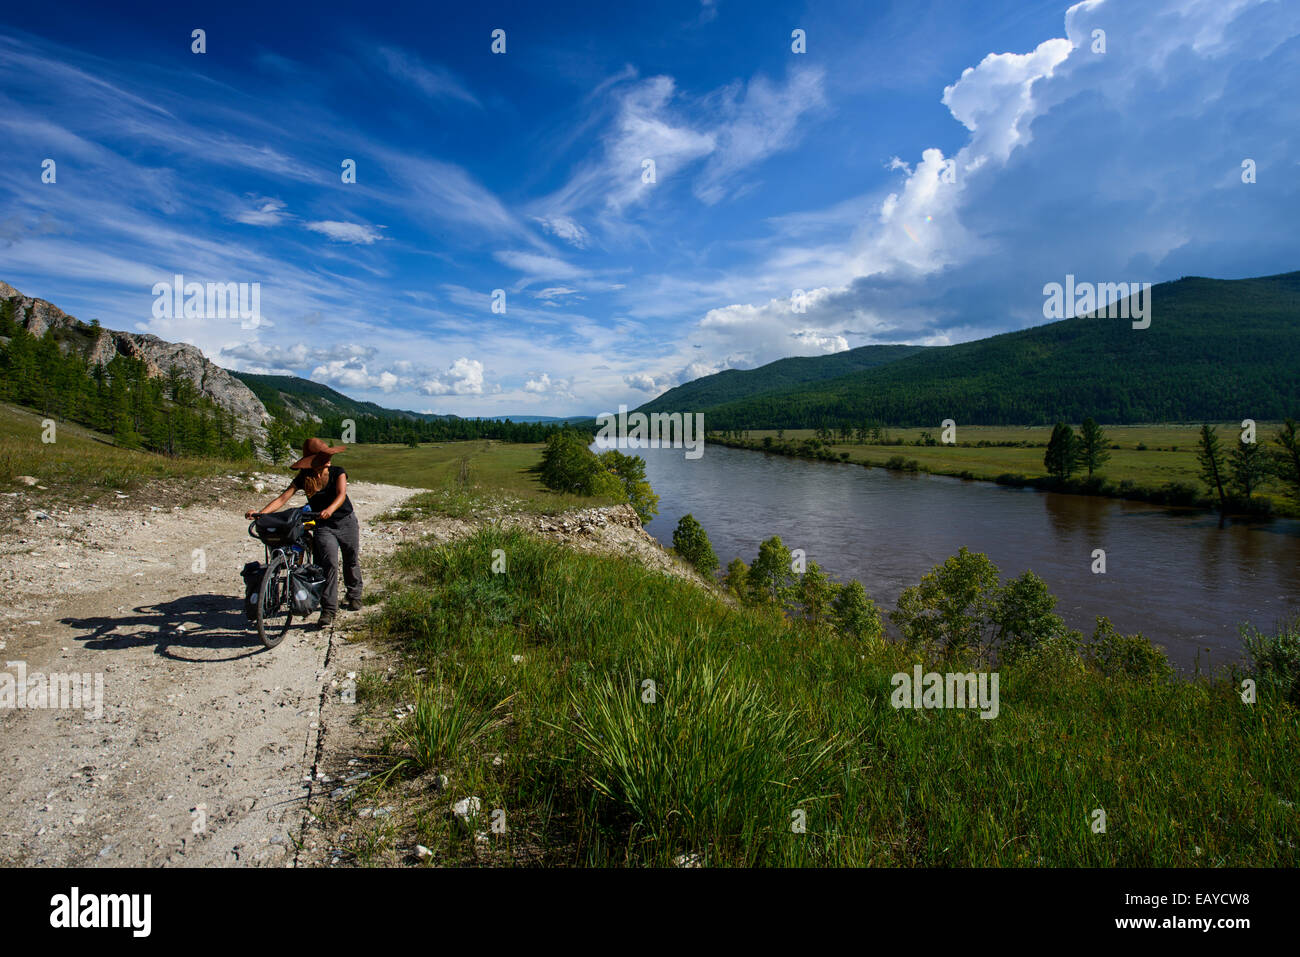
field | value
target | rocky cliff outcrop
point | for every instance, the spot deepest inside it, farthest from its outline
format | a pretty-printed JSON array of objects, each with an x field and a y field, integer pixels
[{"x": 158, "y": 355}]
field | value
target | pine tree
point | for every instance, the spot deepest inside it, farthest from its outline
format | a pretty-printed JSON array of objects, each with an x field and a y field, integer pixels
[
  {"x": 277, "y": 445},
  {"x": 1286, "y": 457},
  {"x": 1210, "y": 455},
  {"x": 1248, "y": 463},
  {"x": 1062, "y": 456},
  {"x": 1092, "y": 446}
]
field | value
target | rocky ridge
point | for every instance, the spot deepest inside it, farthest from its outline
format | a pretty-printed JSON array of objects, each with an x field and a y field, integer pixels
[{"x": 158, "y": 355}]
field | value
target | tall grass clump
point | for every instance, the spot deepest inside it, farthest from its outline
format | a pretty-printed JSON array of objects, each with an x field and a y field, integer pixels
[
  {"x": 448, "y": 720},
  {"x": 704, "y": 764}
]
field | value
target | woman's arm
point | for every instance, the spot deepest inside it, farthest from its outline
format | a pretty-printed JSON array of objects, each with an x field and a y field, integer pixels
[
  {"x": 338, "y": 499},
  {"x": 277, "y": 503}
]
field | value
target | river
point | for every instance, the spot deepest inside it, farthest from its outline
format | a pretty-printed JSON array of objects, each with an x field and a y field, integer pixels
[{"x": 1172, "y": 574}]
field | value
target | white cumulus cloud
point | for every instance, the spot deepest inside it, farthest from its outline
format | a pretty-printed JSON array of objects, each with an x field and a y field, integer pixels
[
  {"x": 357, "y": 233},
  {"x": 352, "y": 373},
  {"x": 462, "y": 377}
]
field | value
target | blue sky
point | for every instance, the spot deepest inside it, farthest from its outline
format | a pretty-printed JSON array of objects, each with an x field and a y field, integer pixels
[{"x": 774, "y": 171}]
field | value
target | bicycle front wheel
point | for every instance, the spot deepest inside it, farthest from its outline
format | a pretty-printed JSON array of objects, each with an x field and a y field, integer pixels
[{"x": 274, "y": 613}]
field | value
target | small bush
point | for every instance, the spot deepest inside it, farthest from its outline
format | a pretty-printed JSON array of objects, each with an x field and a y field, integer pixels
[
  {"x": 692, "y": 543},
  {"x": 1276, "y": 658},
  {"x": 1180, "y": 493},
  {"x": 1024, "y": 616},
  {"x": 856, "y": 615},
  {"x": 736, "y": 579},
  {"x": 1128, "y": 656},
  {"x": 951, "y": 610}
]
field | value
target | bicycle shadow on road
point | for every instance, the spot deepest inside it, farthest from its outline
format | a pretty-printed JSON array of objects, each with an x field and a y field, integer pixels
[{"x": 199, "y": 622}]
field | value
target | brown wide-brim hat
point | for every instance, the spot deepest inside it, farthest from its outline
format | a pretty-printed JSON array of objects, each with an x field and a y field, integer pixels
[{"x": 316, "y": 453}]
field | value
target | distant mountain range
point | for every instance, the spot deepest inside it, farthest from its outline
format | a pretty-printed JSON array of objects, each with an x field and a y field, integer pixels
[
  {"x": 1215, "y": 350},
  {"x": 292, "y": 397}
]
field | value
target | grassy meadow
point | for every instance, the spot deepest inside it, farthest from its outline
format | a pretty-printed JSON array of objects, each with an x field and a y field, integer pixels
[
  {"x": 83, "y": 465},
  {"x": 1147, "y": 456},
  {"x": 462, "y": 478},
  {"x": 529, "y": 692}
]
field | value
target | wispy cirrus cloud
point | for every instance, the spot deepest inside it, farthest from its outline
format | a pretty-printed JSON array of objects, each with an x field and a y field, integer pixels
[
  {"x": 731, "y": 129},
  {"x": 566, "y": 229},
  {"x": 758, "y": 119},
  {"x": 433, "y": 81}
]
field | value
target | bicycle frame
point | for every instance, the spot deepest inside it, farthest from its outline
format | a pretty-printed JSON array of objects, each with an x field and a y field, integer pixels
[
  {"x": 280, "y": 560},
  {"x": 294, "y": 555}
]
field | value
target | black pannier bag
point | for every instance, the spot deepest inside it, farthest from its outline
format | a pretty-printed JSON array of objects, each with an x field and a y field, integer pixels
[
  {"x": 280, "y": 528},
  {"x": 252, "y": 575},
  {"x": 306, "y": 585}
]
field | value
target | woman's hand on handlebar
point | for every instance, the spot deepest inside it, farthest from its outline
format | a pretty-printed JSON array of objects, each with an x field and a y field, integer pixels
[{"x": 275, "y": 503}]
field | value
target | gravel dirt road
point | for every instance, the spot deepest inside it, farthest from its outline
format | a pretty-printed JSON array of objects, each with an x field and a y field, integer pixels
[{"x": 204, "y": 752}]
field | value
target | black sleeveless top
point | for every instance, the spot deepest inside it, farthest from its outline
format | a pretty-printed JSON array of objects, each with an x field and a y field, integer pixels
[{"x": 322, "y": 499}]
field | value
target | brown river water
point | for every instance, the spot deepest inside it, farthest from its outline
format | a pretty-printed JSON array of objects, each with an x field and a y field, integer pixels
[{"x": 1173, "y": 574}]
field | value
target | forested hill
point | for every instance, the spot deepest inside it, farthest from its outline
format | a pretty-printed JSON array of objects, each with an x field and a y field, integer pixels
[
  {"x": 1215, "y": 350},
  {"x": 292, "y": 397},
  {"x": 731, "y": 385}
]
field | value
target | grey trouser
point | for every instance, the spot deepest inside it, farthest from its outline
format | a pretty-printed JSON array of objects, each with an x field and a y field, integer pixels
[{"x": 328, "y": 541}]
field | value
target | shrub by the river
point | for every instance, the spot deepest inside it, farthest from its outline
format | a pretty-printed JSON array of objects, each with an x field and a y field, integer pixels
[
  {"x": 1276, "y": 658},
  {"x": 692, "y": 543}
]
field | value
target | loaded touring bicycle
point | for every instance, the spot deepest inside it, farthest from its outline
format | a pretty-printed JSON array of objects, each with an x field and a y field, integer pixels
[{"x": 286, "y": 584}]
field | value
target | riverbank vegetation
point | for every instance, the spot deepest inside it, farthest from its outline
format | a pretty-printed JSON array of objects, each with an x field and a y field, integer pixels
[
  {"x": 568, "y": 465},
  {"x": 1150, "y": 463},
  {"x": 605, "y": 714}
]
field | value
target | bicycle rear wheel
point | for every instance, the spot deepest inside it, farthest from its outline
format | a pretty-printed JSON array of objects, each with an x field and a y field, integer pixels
[{"x": 274, "y": 613}]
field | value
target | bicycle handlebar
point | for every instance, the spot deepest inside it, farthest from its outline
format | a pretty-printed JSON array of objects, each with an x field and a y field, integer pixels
[{"x": 252, "y": 526}]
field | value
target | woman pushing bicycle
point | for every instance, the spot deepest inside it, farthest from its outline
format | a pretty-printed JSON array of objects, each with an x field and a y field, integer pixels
[{"x": 336, "y": 530}]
